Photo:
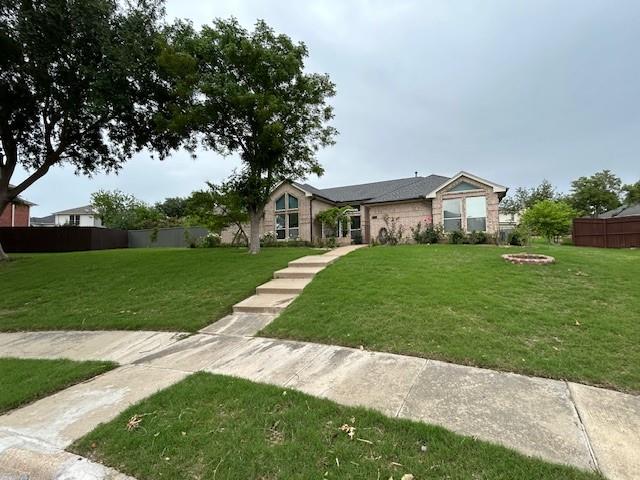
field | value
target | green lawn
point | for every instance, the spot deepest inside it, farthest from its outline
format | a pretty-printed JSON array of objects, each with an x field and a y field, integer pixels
[
  {"x": 578, "y": 319},
  {"x": 214, "y": 427},
  {"x": 152, "y": 289},
  {"x": 26, "y": 380}
]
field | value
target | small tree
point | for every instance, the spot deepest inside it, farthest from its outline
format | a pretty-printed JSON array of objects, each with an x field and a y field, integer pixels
[
  {"x": 632, "y": 193},
  {"x": 549, "y": 218},
  {"x": 84, "y": 83},
  {"x": 255, "y": 98},
  {"x": 595, "y": 194},
  {"x": 218, "y": 208},
  {"x": 334, "y": 218}
]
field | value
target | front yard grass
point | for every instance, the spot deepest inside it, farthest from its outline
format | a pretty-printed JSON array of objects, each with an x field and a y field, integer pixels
[
  {"x": 26, "y": 380},
  {"x": 133, "y": 289},
  {"x": 578, "y": 319},
  {"x": 215, "y": 427}
]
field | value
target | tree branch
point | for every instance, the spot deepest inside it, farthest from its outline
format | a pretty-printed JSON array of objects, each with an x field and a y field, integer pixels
[{"x": 31, "y": 179}]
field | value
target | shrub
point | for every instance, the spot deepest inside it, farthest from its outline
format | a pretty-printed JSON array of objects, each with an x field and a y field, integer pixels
[
  {"x": 192, "y": 242},
  {"x": 356, "y": 238},
  {"x": 210, "y": 240},
  {"x": 457, "y": 237},
  {"x": 430, "y": 234},
  {"x": 268, "y": 239},
  {"x": 520, "y": 236},
  {"x": 475, "y": 238},
  {"x": 394, "y": 231}
]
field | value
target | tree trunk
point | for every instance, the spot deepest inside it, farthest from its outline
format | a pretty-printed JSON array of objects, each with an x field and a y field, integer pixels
[
  {"x": 254, "y": 241},
  {"x": 3, "y": 256}
]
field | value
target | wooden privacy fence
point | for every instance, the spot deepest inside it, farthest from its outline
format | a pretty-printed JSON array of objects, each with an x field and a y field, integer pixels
[
  {"x": 616, "y": 232},
  {"x": 60, "y": 239}
]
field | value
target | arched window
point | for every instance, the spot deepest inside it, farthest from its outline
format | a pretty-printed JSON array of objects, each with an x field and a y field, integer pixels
[{"x": 286, "y": 222}]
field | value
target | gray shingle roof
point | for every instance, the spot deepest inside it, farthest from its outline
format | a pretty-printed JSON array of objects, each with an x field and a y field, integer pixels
[
  {"x": 378, "y": 192},
  {"x": 623, "y": 211},
  {"x": 86, "y": 210},
  {"x": 48, "y": 220}
]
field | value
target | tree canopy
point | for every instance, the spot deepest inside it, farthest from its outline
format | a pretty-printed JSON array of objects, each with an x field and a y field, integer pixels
[
  {"x": 596, "y": 194},
  {"x": 86, "y": 83},
  {"x": 631, "y": 193},
  {"x": 524, "y": 198},
  {"x": 121, "y": 210},
  {"x": 218, "y": 208},
  {"x": 256, "y": 99},
  {"x": 549, "y": 218}
]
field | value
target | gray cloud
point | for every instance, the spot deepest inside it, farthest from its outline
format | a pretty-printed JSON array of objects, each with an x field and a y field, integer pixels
[{"x": 512, "y": 91}]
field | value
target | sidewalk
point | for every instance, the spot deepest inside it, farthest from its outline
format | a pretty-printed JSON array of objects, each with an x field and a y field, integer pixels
[{"x": 561, "y": 422}]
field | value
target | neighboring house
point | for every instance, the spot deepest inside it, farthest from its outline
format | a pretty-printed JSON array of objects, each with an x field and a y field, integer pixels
[
  {"x": 16, "y": 214},
  {"x": 623, "y": 211},
  {"x": 462, "y": 202},
  {"x": 79, "y": 217},
  {"x": 48, "y": 221}
]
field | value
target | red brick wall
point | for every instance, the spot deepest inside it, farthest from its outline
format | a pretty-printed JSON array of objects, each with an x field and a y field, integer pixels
[{"x": 21, "y": 216}]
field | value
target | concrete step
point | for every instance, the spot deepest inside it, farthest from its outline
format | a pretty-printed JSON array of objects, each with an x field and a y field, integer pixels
[
  {"x": 264, "y": 303},
  {"x": 313, "y": 261},
  {"x": 297, "y": 272},
  {"x": 284, "y": 285}
]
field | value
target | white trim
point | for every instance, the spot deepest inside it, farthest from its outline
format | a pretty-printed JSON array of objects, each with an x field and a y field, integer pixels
[
  {"x": 306, "y": 193},
  {"x": 496, "y": 187},
  {"x": 13, "y": 214}
]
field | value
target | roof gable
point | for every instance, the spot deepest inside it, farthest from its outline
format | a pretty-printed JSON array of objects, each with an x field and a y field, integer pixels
[
  {"x": 496, "y": 187},
  {"x": 85, "y": 210}
]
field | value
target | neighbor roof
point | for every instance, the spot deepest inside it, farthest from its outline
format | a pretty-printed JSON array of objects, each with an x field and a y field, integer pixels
[
  {"x": 21, "y": 200},
  {"x": 623, "y": 211},
  {"x": 48, "y": 220},
  {"x": 86, "y": 210},
  {"x": 379, "y": 192}
]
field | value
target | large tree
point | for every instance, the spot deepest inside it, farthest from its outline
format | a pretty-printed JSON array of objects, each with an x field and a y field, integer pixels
[
  {"x": 84, "y": 83},
  {"x": 219, "y": 207},
  {"x": 257, "y": 100},
  {"x": 632, "y": 193},
  {"x": 595, "y": 194}
]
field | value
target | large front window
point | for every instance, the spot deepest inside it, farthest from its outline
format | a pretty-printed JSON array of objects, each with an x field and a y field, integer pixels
[
  {"x": 476, "y": 214},
  {"x": 287, "y": 222},
  {"x": 452, "y": 214},
  {"x": 472, "y": 209}
]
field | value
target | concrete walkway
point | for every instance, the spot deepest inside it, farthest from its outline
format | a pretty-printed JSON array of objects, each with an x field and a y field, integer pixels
[{"x": 561, "y": 422}]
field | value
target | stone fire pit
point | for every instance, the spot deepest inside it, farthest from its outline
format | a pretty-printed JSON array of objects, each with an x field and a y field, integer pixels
[{"x": 528, "y": 258}]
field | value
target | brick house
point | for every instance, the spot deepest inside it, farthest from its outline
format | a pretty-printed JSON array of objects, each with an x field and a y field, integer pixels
[
  {"x": 16, "y": 214},
  {"x": 462, "y": 202}
]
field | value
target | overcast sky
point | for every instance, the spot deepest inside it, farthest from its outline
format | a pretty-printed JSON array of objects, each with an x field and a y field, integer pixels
[{"x": 511, "y": 91}]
